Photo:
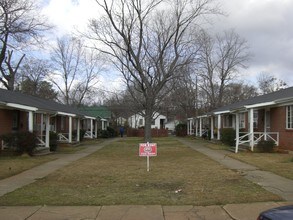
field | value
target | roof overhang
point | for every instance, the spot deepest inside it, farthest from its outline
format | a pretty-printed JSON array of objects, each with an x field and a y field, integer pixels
[
  {"x": 22, "y": 107},
  {"x": 202, "y": 116},
  {"x": 258, "y": 105},
  {"x": 90, "y": 117},
  {"x": 66, "y": 114},
  {"x": 221, "y": 112}
]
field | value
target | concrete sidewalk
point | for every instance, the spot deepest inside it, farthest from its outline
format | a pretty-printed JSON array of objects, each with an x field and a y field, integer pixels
[
  {"x": 27, "y": 177},
  {"x": 139, "y": 212},
  {"x": 271, "y": 182}
]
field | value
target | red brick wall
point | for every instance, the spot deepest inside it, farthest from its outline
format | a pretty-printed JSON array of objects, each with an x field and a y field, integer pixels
[
  {"x": 5, "y": 121},
  {"x": 140, "y": 132},
  {"x": 278, "y": 123},
  {"x": 6, "y": 118}
]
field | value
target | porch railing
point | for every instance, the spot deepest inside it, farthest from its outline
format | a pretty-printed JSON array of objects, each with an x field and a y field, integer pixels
[
  {"x": 269, "y": 136},
  {"x": 63, "y": 137},
  {"x": 88, "y": 134},
  {"x": 41, "y": 142},
  {"x": 244, "y": 138}
]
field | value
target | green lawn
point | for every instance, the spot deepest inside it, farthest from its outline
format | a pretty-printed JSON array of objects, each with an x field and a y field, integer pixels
[{"x": 117, "y": 175}]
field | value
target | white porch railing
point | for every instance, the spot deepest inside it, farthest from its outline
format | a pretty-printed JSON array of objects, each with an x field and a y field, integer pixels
[
  {"x": 244, "y": 138},
  {"x": 41, "y": 142},
  {"x": 63, "y": 137},
  {"x": 89, "y": 135},
  {"x": 4, "y": 145},
  {"x": 269, "y": 136}
]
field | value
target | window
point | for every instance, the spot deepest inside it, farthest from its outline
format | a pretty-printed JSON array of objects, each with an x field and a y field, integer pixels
[
  {"x": 140, "y": 123},
  {"x": 255, "y": 119},
  {"x": 242, "y": 120},
  {"x": 153, "y": 122},
  {"x": 289, "y": 117},
  {"x": 15, "y": 120},
  {"x": 228, "y": 121}
]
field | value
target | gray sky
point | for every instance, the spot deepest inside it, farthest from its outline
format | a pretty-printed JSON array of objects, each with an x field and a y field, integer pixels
[{"x": 267, "y": 25}]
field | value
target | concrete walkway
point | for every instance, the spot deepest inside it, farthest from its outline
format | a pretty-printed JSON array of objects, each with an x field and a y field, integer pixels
[{"x": 271, "y": 182}]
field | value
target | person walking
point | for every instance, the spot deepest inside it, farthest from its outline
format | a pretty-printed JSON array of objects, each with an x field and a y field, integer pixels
[{"x": 121, "y": 131}]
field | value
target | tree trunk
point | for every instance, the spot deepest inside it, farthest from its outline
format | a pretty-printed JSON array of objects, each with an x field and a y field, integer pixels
[{"x": 148, "y": 125}]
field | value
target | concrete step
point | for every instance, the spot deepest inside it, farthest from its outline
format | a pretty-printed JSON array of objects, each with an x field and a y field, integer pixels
[{"x": 40, "y": 151}]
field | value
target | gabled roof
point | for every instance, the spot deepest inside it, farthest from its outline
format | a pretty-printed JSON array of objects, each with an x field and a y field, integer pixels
[
  {"x": 19, "y": 100},
  {"x": 96, "y": 111},
  {"x": 271, "y": 99}
]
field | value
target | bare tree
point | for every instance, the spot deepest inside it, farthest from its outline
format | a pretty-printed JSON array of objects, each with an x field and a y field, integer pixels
[
  {"x": 149, "y": 42},
  {"x": 268, "y": 83},
  {"x": 220, "y": 60},
  {"x": 76, "y": 70},
  {"x": 236, "y": 92},
  {"x": 21, "y": 24},
  {"x": 32, "y": 79}
]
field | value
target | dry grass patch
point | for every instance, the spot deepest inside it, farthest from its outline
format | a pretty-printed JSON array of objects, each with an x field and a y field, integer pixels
[
  {"x": 12, "y": 165},
  {"x": 280, "y": 164},
  {"x": 117, "y": 175}
]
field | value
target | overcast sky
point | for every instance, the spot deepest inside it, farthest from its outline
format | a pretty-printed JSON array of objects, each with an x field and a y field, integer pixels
[{"x": 267, "y": 25}]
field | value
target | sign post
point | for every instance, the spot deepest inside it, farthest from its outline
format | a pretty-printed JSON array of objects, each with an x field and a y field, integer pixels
[{"x": 148, "y": 150}]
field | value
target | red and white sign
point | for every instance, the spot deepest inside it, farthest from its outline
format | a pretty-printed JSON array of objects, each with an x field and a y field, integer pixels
[{"x": 147, "y": 149}]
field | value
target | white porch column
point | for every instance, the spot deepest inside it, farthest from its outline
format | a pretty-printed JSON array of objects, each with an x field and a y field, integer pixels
[
  {"x": 42, "y": 124},
  {"x": 96, "y": 128},
  {"x": 212, "y": 127},
  {"x": 70, "y": 130},
  {"x": 30, "y": 121},
  {"x": 78, "y": 130},
  {"x": 190, "y": 124},
  {"x": 47, "y": 142},
  {"x": 196, "y": 127},
  {"x": 200, "y": 127},
  {"x": 237, "y": 132},
  {"x": 251, "y": 136},
  {"x": 219, "y": 127},
  {"x": 92, "y": 128}
]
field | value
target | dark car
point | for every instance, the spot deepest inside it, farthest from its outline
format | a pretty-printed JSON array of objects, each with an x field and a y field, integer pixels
[{"x": 280, "y": 213}]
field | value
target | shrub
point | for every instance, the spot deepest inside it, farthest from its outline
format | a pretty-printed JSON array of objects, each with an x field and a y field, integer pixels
[
  {"x": 81, "y": 134},
  {"x": 105, "y": 134},
  {"x": 266, "y": 146},
  {"x": 228, "y": 136},
  {"x": 53, "y": 140},
  {"x": 181, "y": 130},
  {"x": 112, "y": 132},
  {"x": 21, "y": 142}
]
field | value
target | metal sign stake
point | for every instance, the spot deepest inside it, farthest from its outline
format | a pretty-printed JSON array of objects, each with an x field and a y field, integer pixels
[{"x": 148, "y": 163}]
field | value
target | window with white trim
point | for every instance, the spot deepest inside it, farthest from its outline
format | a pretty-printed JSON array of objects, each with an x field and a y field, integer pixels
[
  {"x": 228, "y": 121},
  {"x": 242, "y": 120},
  {"x": 255, "y": 119},
  {"x": 289, "y": 117}
]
